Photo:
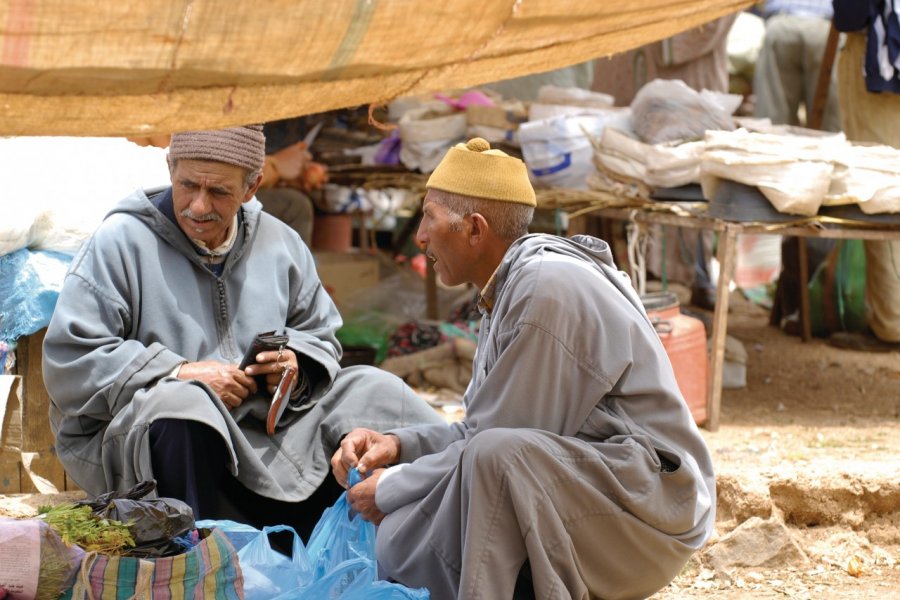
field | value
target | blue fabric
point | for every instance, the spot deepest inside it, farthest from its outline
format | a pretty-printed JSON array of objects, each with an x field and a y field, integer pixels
[
  {"x": 853, "y": 15},
  {"x": 30, "y": 281},
  {"x": 801, "y": 8},
  {"x": 882, "y": 23}
]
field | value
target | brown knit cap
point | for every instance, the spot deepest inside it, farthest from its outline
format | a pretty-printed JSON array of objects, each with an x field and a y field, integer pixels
[{"x": 242, "y": 146}]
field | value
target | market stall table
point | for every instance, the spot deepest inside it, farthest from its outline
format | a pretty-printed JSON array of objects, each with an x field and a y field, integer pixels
[{"x": 681, "y": 215}]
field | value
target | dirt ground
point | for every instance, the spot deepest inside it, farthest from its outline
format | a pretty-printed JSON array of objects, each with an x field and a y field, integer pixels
[
  {"x": 813, "y": 442},
  {"x": 810, "y": 448}
]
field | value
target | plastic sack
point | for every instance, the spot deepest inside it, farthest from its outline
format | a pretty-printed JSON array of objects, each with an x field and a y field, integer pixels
[
  {"x": 341, "y": 534},
  {"x": 342, "y": 553},
  {"x": 427, "y": 133},
  {"x": 368, "y": 330},
  {"x": 792, "y": 171},
  {"x": 837, "y": 290},
  {"x": 339, "y": 562},
  {"x": 558, "y": 151},
  {"x": 239, "y": 534},
  {"x": 667, "y": 110},
  {"x": 29, "y": 288},
  {"x": 156, "y": 525},
  {"x": 270, "y": 574},
  {"x": 34, "y": 561}
]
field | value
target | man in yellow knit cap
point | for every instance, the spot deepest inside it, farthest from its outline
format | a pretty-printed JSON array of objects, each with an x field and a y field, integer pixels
[{"x": 577, "y": 470}]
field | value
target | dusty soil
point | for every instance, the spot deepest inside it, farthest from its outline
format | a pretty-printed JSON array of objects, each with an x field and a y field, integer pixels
[{"x": 812, "y": 442}]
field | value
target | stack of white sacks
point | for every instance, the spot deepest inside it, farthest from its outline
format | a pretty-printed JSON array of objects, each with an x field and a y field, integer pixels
[{"x": 797, "y": 170}]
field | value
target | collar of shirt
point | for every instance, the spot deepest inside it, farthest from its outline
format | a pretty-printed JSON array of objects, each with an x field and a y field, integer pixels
[{"x": 488, "y": 293}]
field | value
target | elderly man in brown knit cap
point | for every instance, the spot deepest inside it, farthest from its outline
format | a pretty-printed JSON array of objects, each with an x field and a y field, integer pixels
[
  {"x": 577, "y": 470},
  {"x": 159, "y": 306}
]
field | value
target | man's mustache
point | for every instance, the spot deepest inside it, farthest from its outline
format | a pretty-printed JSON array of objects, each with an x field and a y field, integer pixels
[{"x": 207, "y": 217}]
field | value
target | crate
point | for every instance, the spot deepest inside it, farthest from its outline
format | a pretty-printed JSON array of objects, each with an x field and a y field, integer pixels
[{"x": 345, "y": 273}]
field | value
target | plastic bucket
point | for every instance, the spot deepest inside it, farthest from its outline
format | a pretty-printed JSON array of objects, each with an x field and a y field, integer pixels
[{"x": 684, "y": 339}]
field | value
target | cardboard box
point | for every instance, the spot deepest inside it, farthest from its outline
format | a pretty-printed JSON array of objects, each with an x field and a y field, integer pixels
[
  {"x": 344, "y": 273},
  {"x": 10, "y": 434},
  {"x": 28, "y": 461},
  {"x": 10, "y": 412},
  {"x": 10, "y": 478}
]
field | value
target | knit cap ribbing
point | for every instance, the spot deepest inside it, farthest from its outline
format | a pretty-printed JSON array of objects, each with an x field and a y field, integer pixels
[{"x": 243, "y": 146}]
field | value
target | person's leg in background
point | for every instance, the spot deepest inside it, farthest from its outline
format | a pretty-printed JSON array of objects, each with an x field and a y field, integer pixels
[
  {"x": 883, "y": 289},
  {"x": 787, "y": 73},
  {"x": 778, "y": 80},
  {"x": 703, "y": 288},
  {"x": 292, "y": 207},
  {"x": 870, "y": 117}
]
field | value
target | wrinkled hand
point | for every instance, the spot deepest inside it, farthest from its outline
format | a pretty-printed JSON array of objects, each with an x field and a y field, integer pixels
[
  {"x": 362, "y": 498},
  {"x": 291, "y": 161},
  {"x": 268, "y": 364},
  {"x": 364, "y": 449},
  {"x": 229, "y": 383}
]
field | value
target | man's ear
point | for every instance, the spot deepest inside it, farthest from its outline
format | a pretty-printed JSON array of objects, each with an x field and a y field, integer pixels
[
  {"x": 253, "y": 188},
  {"x": 478, "y": 228}
]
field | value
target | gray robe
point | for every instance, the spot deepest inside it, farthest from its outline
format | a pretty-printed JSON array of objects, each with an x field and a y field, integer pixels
[
  {"x": 577, "y": 451},
  {"x": 138, "y": 301}
]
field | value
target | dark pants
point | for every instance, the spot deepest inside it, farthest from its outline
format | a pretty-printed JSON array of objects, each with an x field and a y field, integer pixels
[{"x": 190, "y": 463}]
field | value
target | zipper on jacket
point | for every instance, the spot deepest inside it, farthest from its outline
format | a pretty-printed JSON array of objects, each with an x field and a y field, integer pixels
[{"x": 229, "y": 347}]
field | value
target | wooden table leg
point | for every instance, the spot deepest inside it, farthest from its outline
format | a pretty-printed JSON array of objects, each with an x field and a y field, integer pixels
[
  {"x": 726, "y": 258},
  {"x": 803, "y": 276}
]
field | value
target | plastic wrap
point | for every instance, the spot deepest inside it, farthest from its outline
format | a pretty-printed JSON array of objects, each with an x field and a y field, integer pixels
[
  {"x": 34, "y": 562},
  {"x": 339, "y": 562},
  {"x": 29, "y": 288},
  {"x": 669, "y": 110}
]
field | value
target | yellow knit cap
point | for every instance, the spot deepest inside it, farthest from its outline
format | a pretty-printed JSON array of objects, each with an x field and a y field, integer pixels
[{"x": 474, "y": 169}]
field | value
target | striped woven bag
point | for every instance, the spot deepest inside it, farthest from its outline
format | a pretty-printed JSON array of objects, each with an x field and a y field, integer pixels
[{"x": 208, "y": 571}]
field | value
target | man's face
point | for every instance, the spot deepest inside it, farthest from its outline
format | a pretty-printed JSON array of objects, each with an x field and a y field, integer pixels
[
  {"x": 445, "y": 242},
  {"x": 207, "y": 195}
]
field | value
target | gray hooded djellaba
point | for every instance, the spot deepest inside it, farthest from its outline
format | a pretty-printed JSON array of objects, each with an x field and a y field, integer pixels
[
  {"x": 138, "y": 301},
  {"x": 577, "y": 453}
]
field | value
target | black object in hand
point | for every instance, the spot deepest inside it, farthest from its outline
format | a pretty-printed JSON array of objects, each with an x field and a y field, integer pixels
[{"x": 261, "y": 343}]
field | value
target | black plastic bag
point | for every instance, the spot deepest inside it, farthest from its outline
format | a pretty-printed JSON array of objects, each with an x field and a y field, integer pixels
[{"x": 158, "y": 526}]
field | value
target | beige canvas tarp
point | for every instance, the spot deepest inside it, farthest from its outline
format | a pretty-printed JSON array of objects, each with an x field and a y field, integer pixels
[{"x": 136, "y": 67}]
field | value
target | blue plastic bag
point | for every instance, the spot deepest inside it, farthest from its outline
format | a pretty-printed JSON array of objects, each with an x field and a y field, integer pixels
[
  {"x": 239, "y": 534},
  {"x": 268, "y": 573},
  {"x": 29, "y": 288},
  {"x": 342, "y": 553},
  {"x": 338, "y": 563},
  {"x": 341, "y": 535}
]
